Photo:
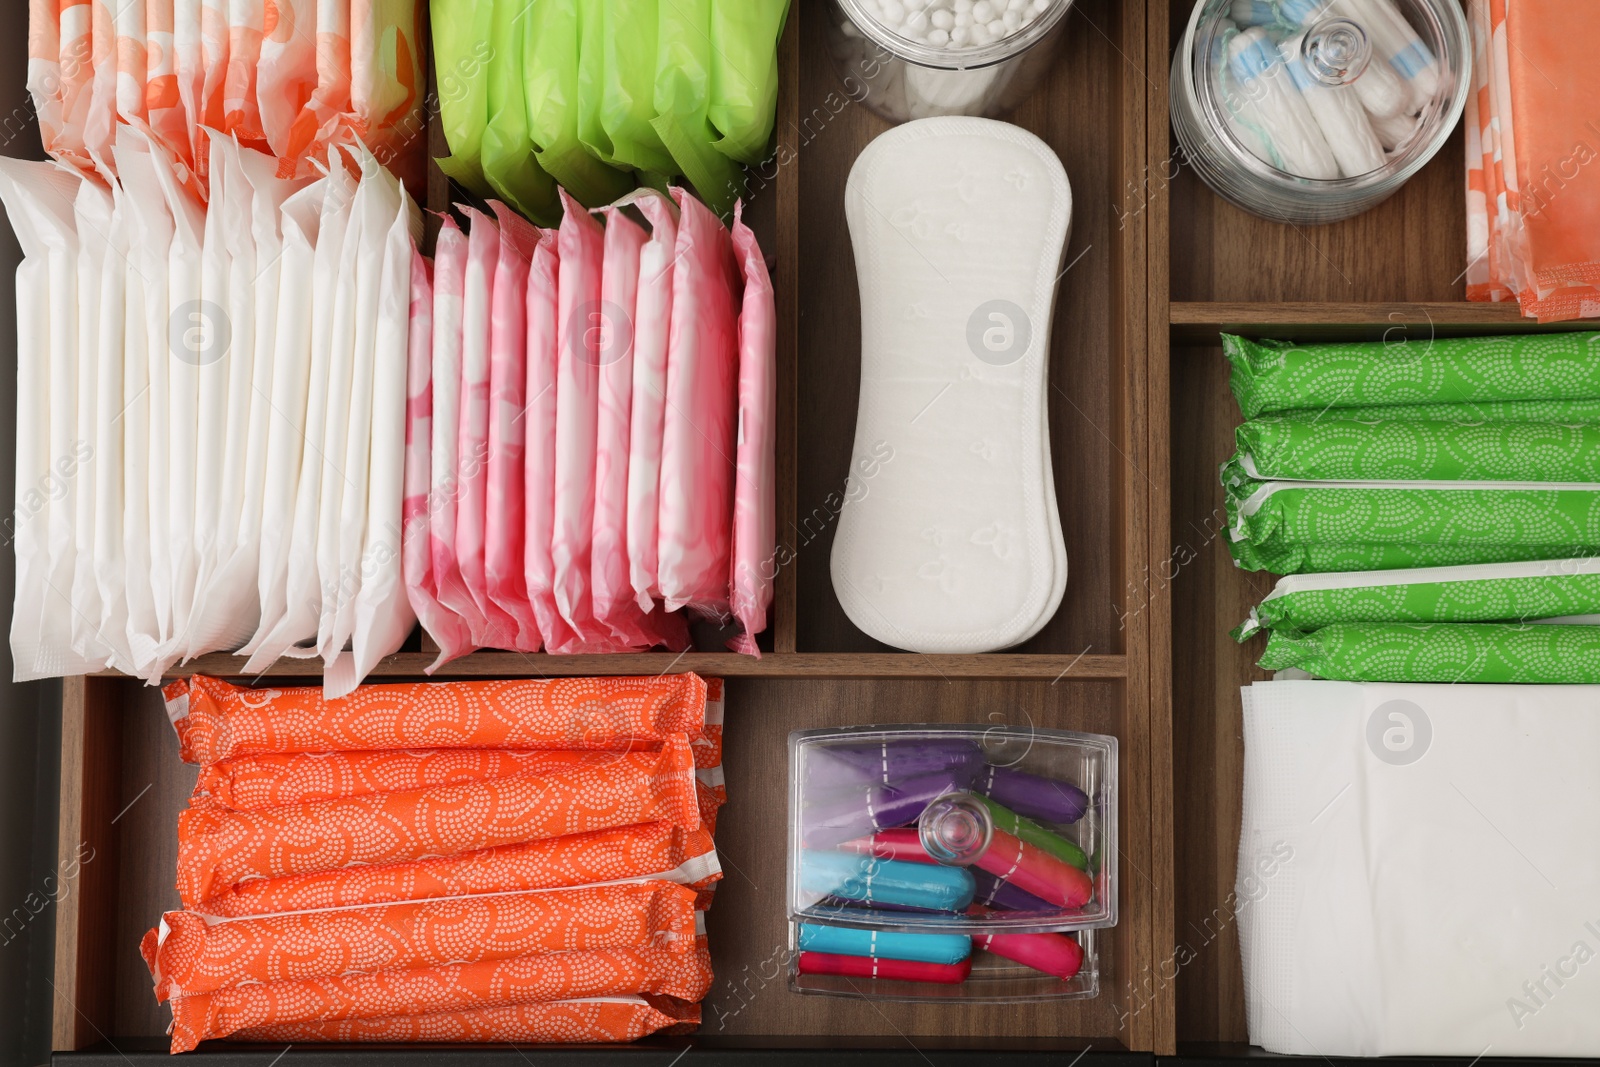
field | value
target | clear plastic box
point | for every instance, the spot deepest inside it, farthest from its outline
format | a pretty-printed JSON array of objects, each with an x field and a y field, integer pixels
[{"x": 1023, "y": 819}]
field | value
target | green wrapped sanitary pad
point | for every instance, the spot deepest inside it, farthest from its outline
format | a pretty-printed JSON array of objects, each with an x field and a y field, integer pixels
[
  {"x": 463, "y": 50},
  {"x": 682, "y": 100},
  {"x": 1279, "y": 376},
  {"x": 1319, "y": 558},
  {"x": 550, "y": 82},
  {"x": 1274, "y": 446},
  {"x": 507, "y": 149},
  {"x": 1493, "y": 522},
  {"x": 1496, "y": 592},
  {"x": 744, "y": 74},
  {"x": 1560, "y": 412},
  {"x": 627, "y": 93},
  {"x": 1550, "y": 653}
]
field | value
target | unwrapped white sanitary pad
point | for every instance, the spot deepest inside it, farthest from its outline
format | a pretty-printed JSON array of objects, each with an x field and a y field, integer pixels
[
  {"x": 949, "y": 540},
  {"x": 1417, "y": 869}
]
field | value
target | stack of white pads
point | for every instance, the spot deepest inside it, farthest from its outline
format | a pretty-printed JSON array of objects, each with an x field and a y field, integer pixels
[
  {"x": 211, "y": 412},
  {"x": 1417, "y": 870}
]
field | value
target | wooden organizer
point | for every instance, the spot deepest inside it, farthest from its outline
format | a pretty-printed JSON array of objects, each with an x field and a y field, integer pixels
[{"x": 1140, "y": 418}]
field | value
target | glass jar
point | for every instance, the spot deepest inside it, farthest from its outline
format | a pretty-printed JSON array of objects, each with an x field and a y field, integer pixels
[
  {"x": 912, "y": 59},
  {"x": 1310, "y": 111}
]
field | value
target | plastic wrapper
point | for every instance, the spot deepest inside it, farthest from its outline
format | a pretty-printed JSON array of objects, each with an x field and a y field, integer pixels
[
  {"x": 1275, "y": 376},
  {"x": 615, "y": 608},
  {"x": 1471, "y": 522},
  {"x": 107, "y": 565},
  {"x": 539, "y": 482},
  {"x": 755, "y": 533},
  {"x": 219, "y": 848},
  {"x": 132, "y": 54},
  {"x": 38, "y": 199},
  {"x": 463, "y": 50},
  {"x": 744, "y": 75},
  {"x": 644, "y": 850},
  {"x": 495, "y": 990},
  {"x": 77, "y": 72},
  {"x": 623, "y": 101},
  {"x": 449, "y": 281},
  {"x": 72, "y": 563},
  {"x": 1556, "y": 654},
  {"x": 1515, "y": 592},
  {"x": 382, "y": 612},
  {"x": 505, "y": 526},
  {"x": 599, "y": 1020},
  {"x": 188, "y": 955},
  {"x": 698, "y": 437},
  {"x": 651, "y": 332},
  {"x": 330, "y": 99},
  {"x": 550, "y": 79},
  {"x": 506, "y": 152},
  {"x": 446, "y": 628},
  {"x": 582, "y": 243},
  {"x": 387, "y": 80},
  {"x": 101, "y": 120},
  {"x": 215, "y": 720},
  {"x": 470, "y": 598},
  {"x": 44, "y": 68},
  {"x": 1321, "y": 557},
  {"x": 291, "y": 403},
  {"x": 682, "y": 99},
  {"x": 307, "y": 555},
  {"x": 1564, "y": 412},
  {"x": 241, "y": 115},
  {"x": 287, "y": 74},
  {"x": 1344, "y": 450}
]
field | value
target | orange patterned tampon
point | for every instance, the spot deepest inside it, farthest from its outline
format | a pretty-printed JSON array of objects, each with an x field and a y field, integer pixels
[
  {"x": 189, "y": 954},
  {"x": 218, "y": 848},
  {"x": 659, "y": 849},
  {"x": 217, "y": 721},
  {"x": 435, "y": 990},
  {"x": 607, "y": 1020}
]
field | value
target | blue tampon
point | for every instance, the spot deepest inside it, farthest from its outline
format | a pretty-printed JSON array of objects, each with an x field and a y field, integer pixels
[
  {"x": 885, "y": 944},
  {"x": 855, "y": 876}
]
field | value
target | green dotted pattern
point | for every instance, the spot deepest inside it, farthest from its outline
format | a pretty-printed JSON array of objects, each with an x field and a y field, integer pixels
[
  {"x": 1561, "y": 412},
  {"x": 1279, "y": 376},
  {"x": 1493, "y": 525},
  {"x": 1322, "y": 558},
  {"x": 1495, "y": 653},
  {"x": 1333, "y": 450},
  {"x": 1544, "y": 596}
]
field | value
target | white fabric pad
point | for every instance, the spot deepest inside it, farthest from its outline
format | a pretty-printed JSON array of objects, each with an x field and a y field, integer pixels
[
  {"x": 949, "y": 540},
  {"x": 1417, "y": 870}
]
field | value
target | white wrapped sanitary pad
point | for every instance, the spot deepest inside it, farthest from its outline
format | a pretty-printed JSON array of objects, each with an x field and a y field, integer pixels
[
  {"x": 949, "y": 539},
  {"x": 1417, "y": 870}
]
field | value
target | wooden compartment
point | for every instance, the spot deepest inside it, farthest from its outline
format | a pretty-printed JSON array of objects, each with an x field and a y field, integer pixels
[{"x": 1089, "y": 669}]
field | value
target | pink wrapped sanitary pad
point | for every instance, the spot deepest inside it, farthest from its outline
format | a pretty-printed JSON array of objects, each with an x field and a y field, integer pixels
[
  {"x": 539, "y": 425},
  {"x": 612, "y": 593},
  {"x": 444, "y": 625},
  {"x": 754, "y": 519},
  {"x": 651, "y": 326},
  {"x": 512, "y": 622},
  {"x": 697, "y": 441},
  {"x": 472, "y": 435},
  {"x": 449, "y": 279},
  {"x": 582, "y": 241}
]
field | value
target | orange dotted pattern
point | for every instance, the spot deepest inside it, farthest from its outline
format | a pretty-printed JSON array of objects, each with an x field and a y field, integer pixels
[
  {"x": 190, "y": 955},
  {"x": 218, "y": 848},
  {"x": 217, "y": 721},
  {"x": 577, "y": 859},
  {"x": 431, "y": 990},
  {"x": 572, "y": 1021}
]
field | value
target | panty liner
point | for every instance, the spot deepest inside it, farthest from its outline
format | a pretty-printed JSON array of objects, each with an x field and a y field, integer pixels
[{"x": 949, "y": 539}]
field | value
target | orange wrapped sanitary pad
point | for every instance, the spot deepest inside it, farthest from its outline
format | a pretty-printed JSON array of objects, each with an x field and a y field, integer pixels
[
  {"x": 218, "y": 848},
  {"x": 657, "y": 849},
  {"x": 189, "y": 954},
  {"x": 217, "y": 721},
  {"x": 434, "y": 990},
  {"x": 609, "y": 1019}
]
